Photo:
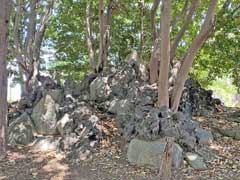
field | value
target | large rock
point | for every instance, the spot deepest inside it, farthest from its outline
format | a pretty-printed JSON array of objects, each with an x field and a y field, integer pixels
[
  {"x": 134, "y": 60},
  {"x": 150, "y": 152},
  {"x": 45, "y": 113},
  {"x": 21, "y": 131},
  {"x": 203, "y": 136},
  {"x": 195, "y": 161},
  {"x": 99, "y": 89},
  {"x": 197, "y": 101},
  {"x": 65, "y": 125},
  {"x": 230, "y": 132},
  {"x": 79, "y": 89},
  {"x": 46, "y": 144}
]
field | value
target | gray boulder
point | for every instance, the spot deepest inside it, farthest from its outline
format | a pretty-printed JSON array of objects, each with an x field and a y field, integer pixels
[
  {"x": 113, "y": 107},
  {"x": 45, "y": 112},
  {"x": 21, "y": 131},
  {"x": 150, "y": 152},
  {"x": 195, "y": 161},
  {"x": 56, "y": 94},
  {"x": 46, "y": 144},
  {"x": 203, "y": 136},
  {"x": 99, "y": 89},
  {"x": 125, "y": 106},
  {"x": 134, "y": 60},
  {"x": 65, "y": 125}
]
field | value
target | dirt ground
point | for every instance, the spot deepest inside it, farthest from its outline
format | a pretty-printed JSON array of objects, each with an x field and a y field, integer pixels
[{"x": 110, "y": 162}]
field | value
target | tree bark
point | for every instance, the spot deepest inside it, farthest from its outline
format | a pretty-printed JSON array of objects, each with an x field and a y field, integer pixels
[
  {"x": 5, "y": 9},
  {"x": 101, "y": 30},
  {"x": 166, "y": 166},
  {"x": 104, "y": 29},
  {"x": 163, "y": 95},
  {"x": 142, "y": 4},
  {"x": 183, "y": 29},
  {"x": 154, "y": 60},
  {"x": 153, "y": 19},
  {"x": 206, "y": 29},
  {"x": 89, "y": 37}
]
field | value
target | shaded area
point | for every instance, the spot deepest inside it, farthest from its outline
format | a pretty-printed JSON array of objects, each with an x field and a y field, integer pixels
[{"x": 110, "y": 161}]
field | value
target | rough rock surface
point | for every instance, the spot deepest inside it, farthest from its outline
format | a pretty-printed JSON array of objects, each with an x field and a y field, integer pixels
[
  {"x": 124, "y": 93},
  {"x": 46, "y": 144},
  {"x": 203, "y": 136},
  {"x": 21, "y": 131},
  {"x": 196, "y": 161},
  {"x": 45, "y": 113},
  {"x": 150, "y": 153},
  {"x": 196, "y": 100}
]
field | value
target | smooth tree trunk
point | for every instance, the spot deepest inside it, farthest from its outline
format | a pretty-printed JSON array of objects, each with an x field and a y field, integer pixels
[
  {"x": 163, "y": 94},
  {"x": 104, "y": 29},
  {"x": 107, "y": 21},
  {"x": 206, "y": 29},
  {"x": 101, "y": 60},
  {"x": 91, "y": 50},
  {"x": 5, "y": 9},
  {"x": 142, "y": 4},
  {"x": 154, "y": 60}
]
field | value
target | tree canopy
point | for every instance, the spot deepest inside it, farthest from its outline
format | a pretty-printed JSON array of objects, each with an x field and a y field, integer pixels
[{"x": 218, "y": 57}]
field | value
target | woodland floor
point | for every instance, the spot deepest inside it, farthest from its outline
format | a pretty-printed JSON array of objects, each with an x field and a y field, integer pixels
[{"x": 110, "y": 163}]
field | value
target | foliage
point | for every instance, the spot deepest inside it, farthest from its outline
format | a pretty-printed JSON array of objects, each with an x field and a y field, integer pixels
[
  {"x": 220, "y": 55},
  {"x": 226, "y": 91}
]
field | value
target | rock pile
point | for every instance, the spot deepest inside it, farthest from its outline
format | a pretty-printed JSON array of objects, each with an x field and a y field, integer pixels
[
  {"x": 196, "y": 100},
  {"x": 70, "y": 114}
]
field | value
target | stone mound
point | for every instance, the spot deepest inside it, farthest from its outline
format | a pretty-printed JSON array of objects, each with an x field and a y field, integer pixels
[{"x": 72, "y": 113}]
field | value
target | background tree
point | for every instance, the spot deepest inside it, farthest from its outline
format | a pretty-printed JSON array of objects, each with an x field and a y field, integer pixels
[
  {"x": 5, "y": 9},
  {"x": 68, "y": 35},
  {"x": 30, "y": 21}
]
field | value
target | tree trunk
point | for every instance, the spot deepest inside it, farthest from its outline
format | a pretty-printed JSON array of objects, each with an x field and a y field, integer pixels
[
  {"x": 89, "y": 37},
  {"x": 5, "y": 9},
  {"x": 154, "y": 60},
  {"x": 142, "y": 28},
  {"x": 101, "y": 59},
  {"x": 163, "y": 95},
  {"x": 166, "y": 166},
  {"x": 32, "y": 80},
  {"x": 107, "y": 21},
  {"x": 21, "y": 76},
  {"x": 104, "y": 29},
  {"x": 206, "y": 29}
]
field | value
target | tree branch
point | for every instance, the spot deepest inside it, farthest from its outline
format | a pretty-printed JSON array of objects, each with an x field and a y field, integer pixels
[
  {"x": 28, "y": 50},
  {"x": 42, "y": 28},
  {"x": 207, "y": 27},
  {"x": 181, "y": 15},
  {"x": 17, "y": 49},
  {"x": 183, "y": 29},
  {"x": 153, "y": 19}
]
